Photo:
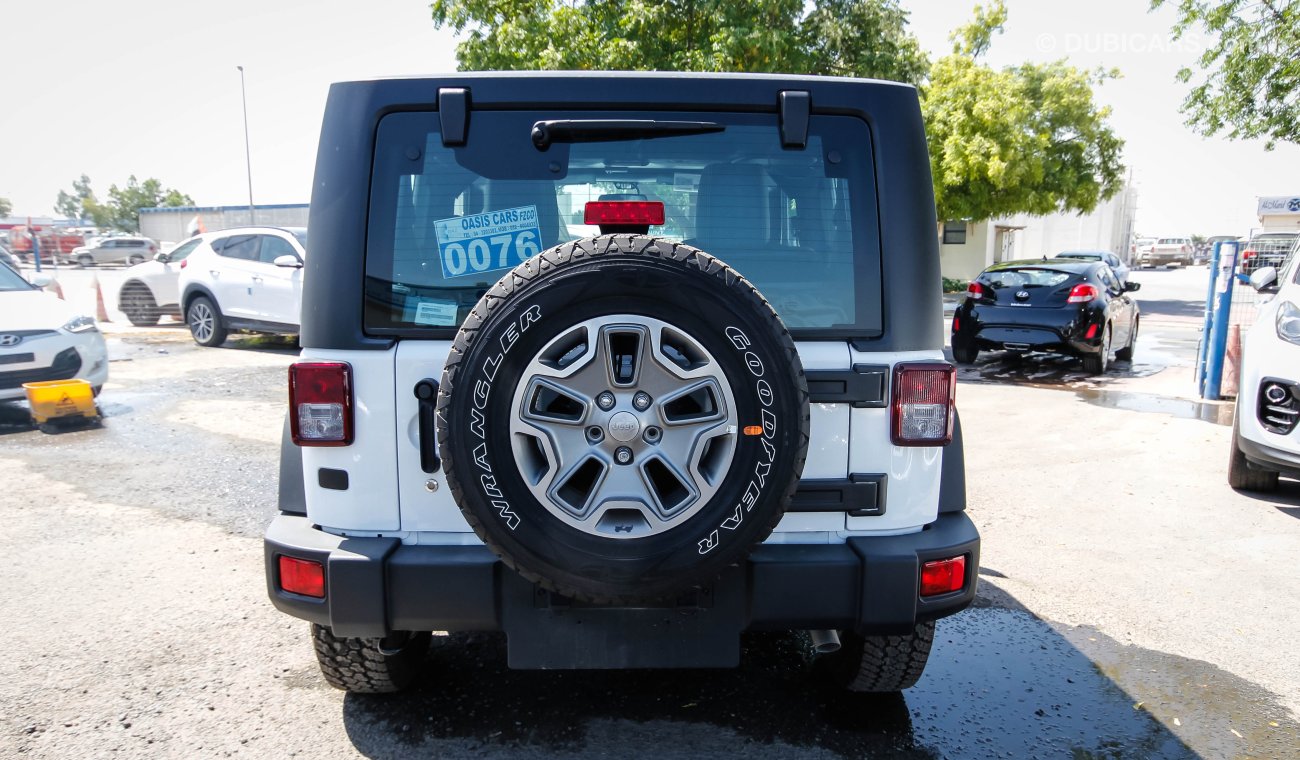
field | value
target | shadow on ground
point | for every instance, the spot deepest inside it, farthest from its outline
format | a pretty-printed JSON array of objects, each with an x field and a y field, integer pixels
[{"x": 1001, "y": 683}]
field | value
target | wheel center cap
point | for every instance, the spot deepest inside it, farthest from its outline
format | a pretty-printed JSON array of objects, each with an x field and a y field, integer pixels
[{"x": 624, "y": 426}]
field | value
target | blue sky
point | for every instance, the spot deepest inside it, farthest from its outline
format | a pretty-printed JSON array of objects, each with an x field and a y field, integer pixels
[{"x": 150, "y": 88}]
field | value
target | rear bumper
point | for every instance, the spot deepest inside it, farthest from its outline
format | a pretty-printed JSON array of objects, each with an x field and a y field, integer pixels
[
  {"x": 1034, "y": 339},
  {"x": 377, "y": 585}
]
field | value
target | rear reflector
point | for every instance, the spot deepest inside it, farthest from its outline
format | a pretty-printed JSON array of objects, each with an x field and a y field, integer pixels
[
  {"x": 301, "y": 576},
  {"x": 943, "y": 576},
  {"x": 1092, "y": 332},
  {"x": 922, "y": 408},
  {"x": 320, "y": 403},
  {"x": 1082, "y": 293},
  {"x": 623, "y": 212}
]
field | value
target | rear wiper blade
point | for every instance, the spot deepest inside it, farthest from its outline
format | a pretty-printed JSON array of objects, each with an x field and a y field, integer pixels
[{"x": 610, "y": 130}]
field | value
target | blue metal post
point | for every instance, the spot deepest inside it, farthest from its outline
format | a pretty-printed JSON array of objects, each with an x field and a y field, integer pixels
[
  {"x": 36, "y": 247},
  {"x": 1203, "y": 349},
  {"x": 1218, "y": 338}
]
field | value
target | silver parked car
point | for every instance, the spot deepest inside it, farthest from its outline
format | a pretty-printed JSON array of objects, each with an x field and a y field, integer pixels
[{"x": 114, "y": 250}]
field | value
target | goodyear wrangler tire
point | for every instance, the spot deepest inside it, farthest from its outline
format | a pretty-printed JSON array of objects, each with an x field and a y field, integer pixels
[{"x": 621, "y": 418}]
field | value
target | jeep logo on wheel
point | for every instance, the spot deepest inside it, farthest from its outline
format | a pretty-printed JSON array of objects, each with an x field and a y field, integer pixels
[{"x": 623, "y": 427}]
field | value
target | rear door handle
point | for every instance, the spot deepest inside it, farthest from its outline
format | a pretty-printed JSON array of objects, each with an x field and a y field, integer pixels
[{"x": 426, "y": 391}]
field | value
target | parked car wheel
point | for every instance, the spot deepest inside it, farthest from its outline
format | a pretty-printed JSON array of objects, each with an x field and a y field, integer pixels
[
  {"x": 204, "y": 319},
  {"x": 365, "y": 666},
  {"x": 1126, "y": 353},
  {"x": 134, "y": 259},
  {"x": 84, "y": 261},
  {"x": 1095, "y": 364},
  {"x": 962, "y": 353},
  {"x": 878, "y": 663},
  {"x": 138, "y": 305},
  {"x": 1244, "y": 477}
]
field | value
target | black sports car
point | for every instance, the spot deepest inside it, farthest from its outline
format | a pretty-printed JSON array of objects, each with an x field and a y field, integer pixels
[{"x": 1077, "y": 308}]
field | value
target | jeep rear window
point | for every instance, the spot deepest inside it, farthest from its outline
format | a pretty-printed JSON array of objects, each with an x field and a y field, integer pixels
[{"x": 446, "y": 222}]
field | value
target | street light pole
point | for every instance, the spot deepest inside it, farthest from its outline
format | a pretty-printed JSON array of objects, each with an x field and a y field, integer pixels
[{"x": 248, "y": 156}]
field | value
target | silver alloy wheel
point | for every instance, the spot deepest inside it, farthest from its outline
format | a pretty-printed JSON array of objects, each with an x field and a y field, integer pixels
[
  {"x": 202, "y": 322},
  {"x": 574, "y": 455}
]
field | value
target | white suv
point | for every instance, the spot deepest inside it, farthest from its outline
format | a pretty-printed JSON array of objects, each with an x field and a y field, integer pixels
[
  {"x": 247, "y": 278},
  {"x": 1265, "y": 436},
  {"x": 152, "y": 289}
]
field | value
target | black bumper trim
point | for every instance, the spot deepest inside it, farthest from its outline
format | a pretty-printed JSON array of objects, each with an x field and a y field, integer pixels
[
  {"x": 377, "y": 585},
  {"x": 1269, "y": 458}
]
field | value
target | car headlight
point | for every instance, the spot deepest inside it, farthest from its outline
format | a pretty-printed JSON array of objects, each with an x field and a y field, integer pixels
[
  {"x": 79, "y": 324},
  {"x": 1288, "y": 323}
]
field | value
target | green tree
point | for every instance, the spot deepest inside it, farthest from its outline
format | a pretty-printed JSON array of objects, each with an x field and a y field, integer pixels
[
  {"x": 1249, "y": 83},
  {"x": 1022, "y": 139},
  {"x": 842, "y": 37},
  {"x": 75, "y": 205},
  {"x": 6, "y": 208},
  {"x": 124, "y": 203}
]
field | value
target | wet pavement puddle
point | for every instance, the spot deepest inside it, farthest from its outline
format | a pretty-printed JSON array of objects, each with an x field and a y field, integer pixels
[{"x": 1207, "y": 411}]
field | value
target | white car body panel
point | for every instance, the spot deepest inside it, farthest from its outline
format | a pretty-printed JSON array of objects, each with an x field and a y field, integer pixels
[
  {"x": 384, "y": 463},
  {"x": 370, "y": 461}
]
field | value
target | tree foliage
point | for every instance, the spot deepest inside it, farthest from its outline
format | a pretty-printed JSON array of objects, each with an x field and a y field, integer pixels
[
  {"x": 122, "y": 210},
  {"x": 81, "y": 203},
  {"x": 1249, "y": 83},
  {"x": 124, "y": 203},
  {"x": 1022, "y": 139},
  {"x": 842, "y": 37},
  {"x": 6, "y": 208}
]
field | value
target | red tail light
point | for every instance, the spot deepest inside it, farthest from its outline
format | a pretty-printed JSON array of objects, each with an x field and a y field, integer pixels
[
  {"x": 921, "y": 412},
  {"x": 623, "y": 212},
  {"x": 956, "y": 324},
  {"x": 301, "y": 576},
  {"x": 975, "y": 290},
  {"x": 943, "y": 576},
  {"x": 1082, "y": 293},
  {"x": 320, "y": 403}
]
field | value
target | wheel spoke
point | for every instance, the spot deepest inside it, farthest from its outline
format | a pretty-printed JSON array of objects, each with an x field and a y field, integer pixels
[{"x": 624, "y": 427}]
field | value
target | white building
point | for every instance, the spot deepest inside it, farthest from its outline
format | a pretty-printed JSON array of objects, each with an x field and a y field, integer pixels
[
  {"x": 173, "y": 223},
  {"x": 967, "y": 248}
]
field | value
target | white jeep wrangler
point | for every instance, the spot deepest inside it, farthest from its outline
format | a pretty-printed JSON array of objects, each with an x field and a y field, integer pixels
[{"x": 622, "y": 365}]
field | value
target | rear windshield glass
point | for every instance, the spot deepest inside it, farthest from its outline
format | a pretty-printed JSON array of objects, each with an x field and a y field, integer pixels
[
  {"x": 1026, "y": 278},
  {"x": 447, "y": 222}
]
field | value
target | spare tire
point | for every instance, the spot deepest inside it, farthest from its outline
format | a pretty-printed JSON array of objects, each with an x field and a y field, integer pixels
[{"x": 621, "y": 418}]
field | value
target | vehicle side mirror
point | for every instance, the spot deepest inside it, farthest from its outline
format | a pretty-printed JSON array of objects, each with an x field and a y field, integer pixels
[
  {"x": 288, "y": 261},
  {"x": 42, "y": 280},
  {"x": 1129, "y": 287},
  {"x": 1264, "y": 280},
  {"x": 161, "y": 257}
]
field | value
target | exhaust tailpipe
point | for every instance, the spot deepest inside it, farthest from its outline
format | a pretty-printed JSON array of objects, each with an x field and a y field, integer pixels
[{"x": 825, "y": 641}]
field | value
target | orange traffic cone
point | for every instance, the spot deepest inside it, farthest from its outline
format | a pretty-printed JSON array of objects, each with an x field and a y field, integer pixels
[
  {"x": 57, "y": 288},
  {"x": 101, "y": 314}
]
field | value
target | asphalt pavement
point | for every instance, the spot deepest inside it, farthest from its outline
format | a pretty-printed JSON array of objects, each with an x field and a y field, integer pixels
[{"x": 1130, "y": 604}]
